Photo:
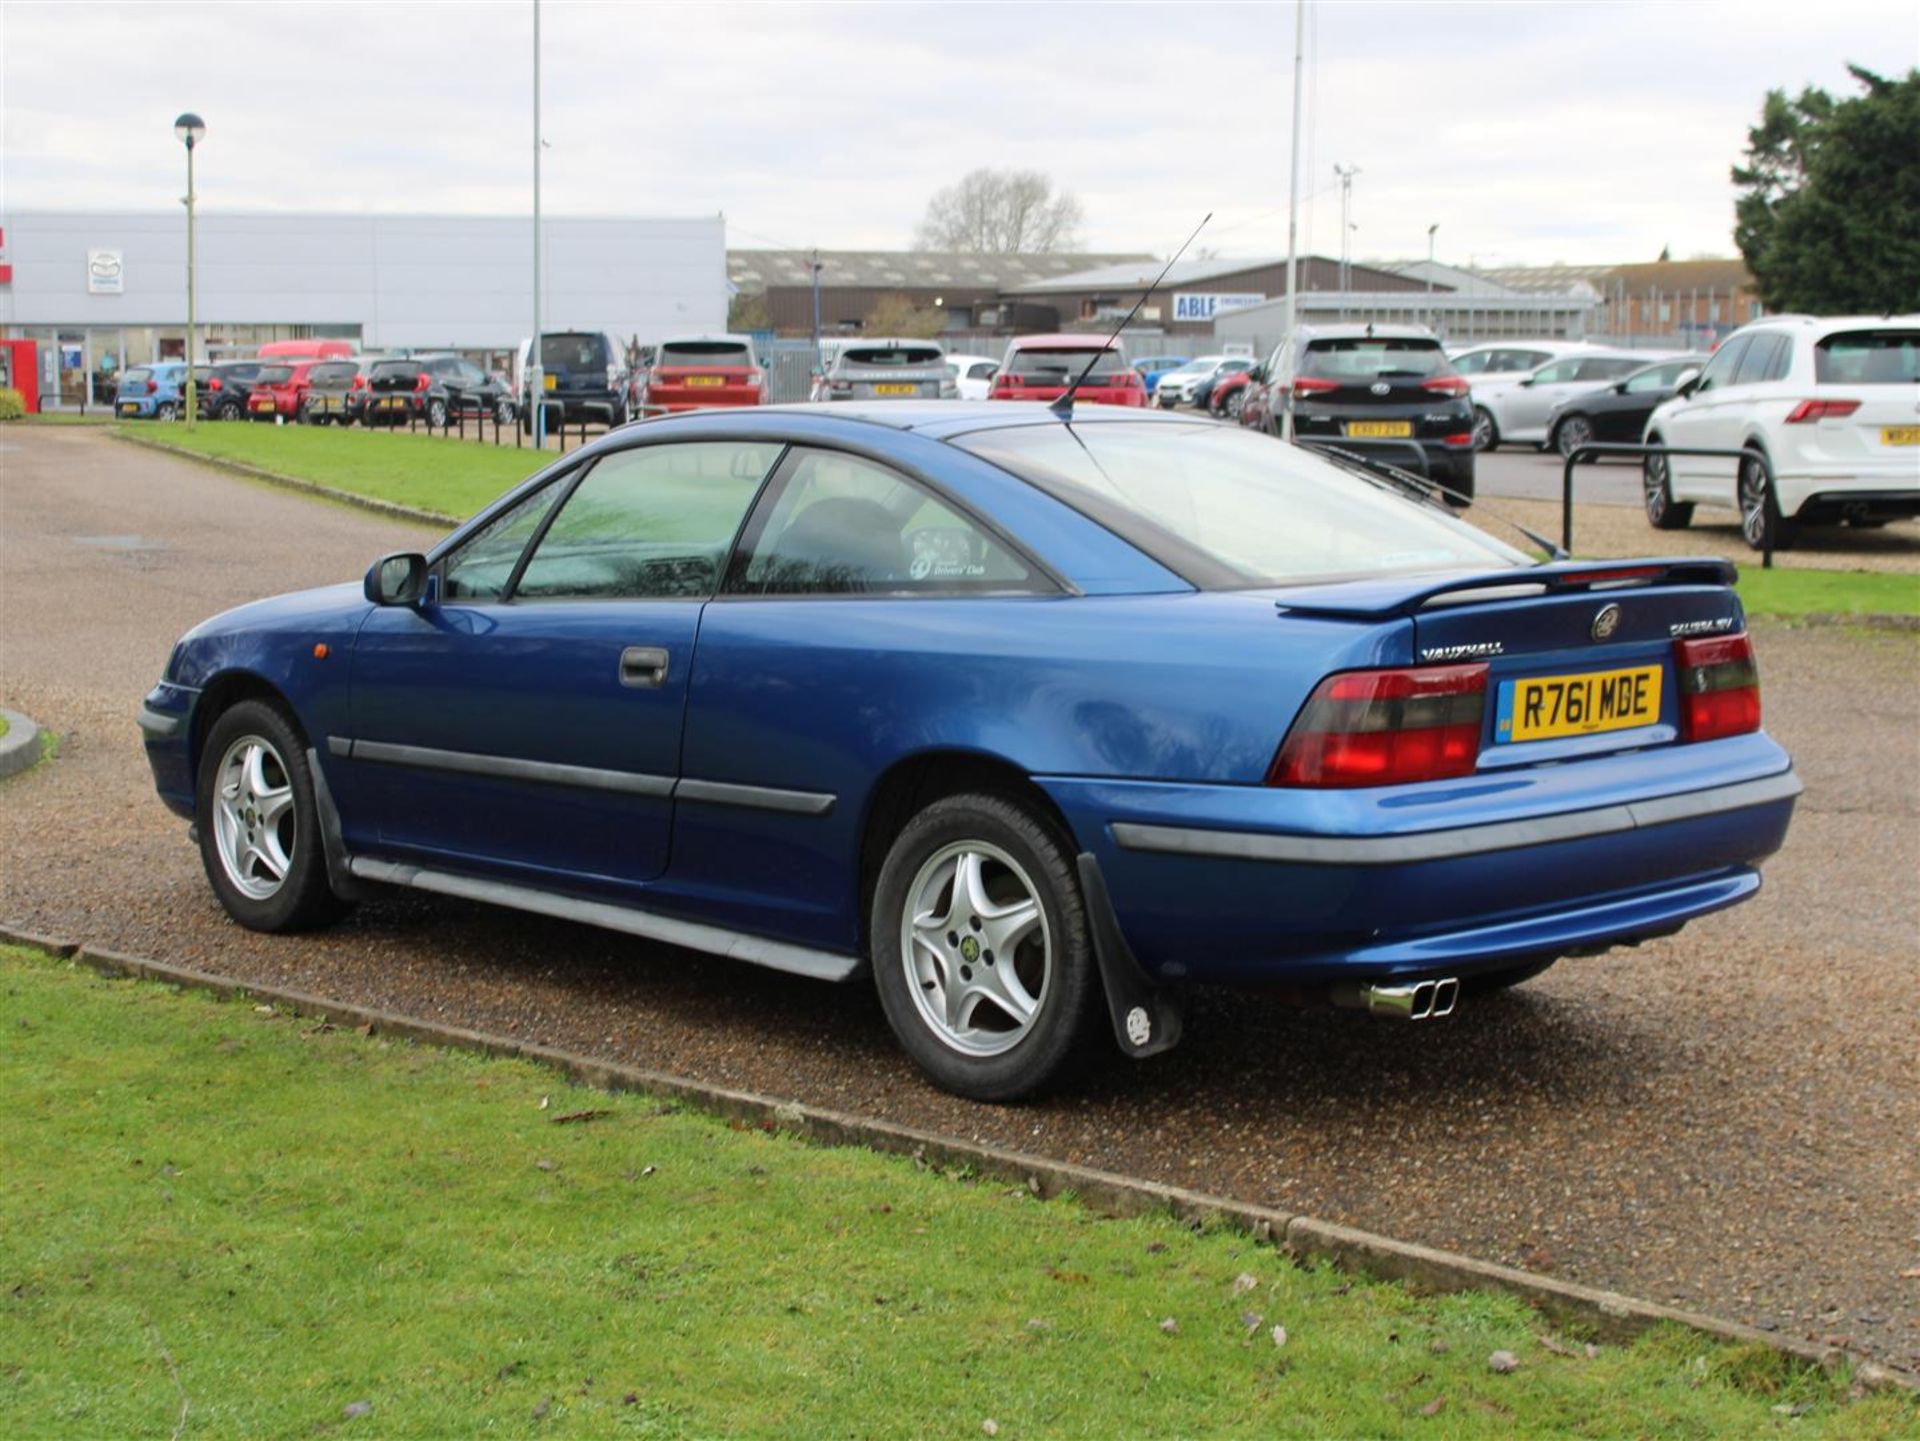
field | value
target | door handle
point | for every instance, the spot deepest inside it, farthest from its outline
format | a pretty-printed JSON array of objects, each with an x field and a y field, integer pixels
[{"x": 643, "y": 667}]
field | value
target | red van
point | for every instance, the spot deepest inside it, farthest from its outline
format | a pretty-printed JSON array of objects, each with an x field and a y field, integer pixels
[{"x": 306, "y": 350}]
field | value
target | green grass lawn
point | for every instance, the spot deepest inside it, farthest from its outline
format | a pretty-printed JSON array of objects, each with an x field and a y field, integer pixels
[
  {"x": 266, "y": 1225},
  {"x": 1834, "y": 592},
  {"x": 448, "y": 475}
]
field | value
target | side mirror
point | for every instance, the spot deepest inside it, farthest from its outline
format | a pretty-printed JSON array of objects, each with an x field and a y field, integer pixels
[
  {"x": 1526, "y": 380},
  {"x": 1257, "y": 374},
  {"x": 398, "y": 579},
  {"x": 1619, "y": 387},
  {"x": 1688, "y": 383}
]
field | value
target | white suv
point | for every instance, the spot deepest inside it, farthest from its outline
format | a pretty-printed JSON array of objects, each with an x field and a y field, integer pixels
[{"x": 1834, "y": 406}]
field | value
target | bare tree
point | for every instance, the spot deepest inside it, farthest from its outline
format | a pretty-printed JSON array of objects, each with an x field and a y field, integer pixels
[
  {"x": 896, "y": 315},
  {"x": 1001, "y": 212}
]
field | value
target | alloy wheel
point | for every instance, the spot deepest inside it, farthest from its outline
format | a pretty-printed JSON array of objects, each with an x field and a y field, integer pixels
[
  {"x": 1754, "y": 520},
  {"x": 977, "y": 948},
  {"x": 253, "y": 817},
  {"x": 1575, "y": 431},
  {"x": 1653, "y": 480},
  {"x": 1482, "y": 430}
]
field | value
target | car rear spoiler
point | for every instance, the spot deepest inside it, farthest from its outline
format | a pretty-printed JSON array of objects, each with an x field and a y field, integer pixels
[{"x": 1376, "y": 599}]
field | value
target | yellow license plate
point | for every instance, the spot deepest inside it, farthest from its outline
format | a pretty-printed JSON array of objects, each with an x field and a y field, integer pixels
[
  {"x": 1900, "y": 435},
  {"x": 1543, "y": 707},
  {"x": 551, "y": 382},
  {"x": 896, "y": 390},
  {"x": 1386, "y": 429},
  {"x": 394, "y": 402},
  {"x": 706, "y": 380}
]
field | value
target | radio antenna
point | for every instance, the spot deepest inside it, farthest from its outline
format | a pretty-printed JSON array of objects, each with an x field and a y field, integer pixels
[{"x": 1063, "y": 407}]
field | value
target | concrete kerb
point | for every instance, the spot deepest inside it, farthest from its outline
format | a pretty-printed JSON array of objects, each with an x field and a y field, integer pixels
[
  {"x": 291, "y": 482},
  {"x": 20, "y": 747},
  {"x": 1605, "y": 1315}
]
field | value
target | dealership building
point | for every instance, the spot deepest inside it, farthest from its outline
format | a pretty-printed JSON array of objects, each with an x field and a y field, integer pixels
[{"x": 102, "y": 291}]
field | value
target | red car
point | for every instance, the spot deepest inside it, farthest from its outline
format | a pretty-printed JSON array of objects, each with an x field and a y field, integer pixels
[
  {"x": 703, "y": 372},
  {"x": 280, "y": 390},
  {"x": 1230, "y": 393},
  {"x": 1041, "y": 367}
]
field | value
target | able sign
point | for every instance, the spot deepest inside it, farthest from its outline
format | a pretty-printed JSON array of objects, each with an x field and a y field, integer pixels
[{"x": 1204, "y": 305}]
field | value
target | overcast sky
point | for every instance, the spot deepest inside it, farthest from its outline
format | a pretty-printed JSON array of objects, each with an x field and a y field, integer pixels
[{"x": 1531, "y": 132}]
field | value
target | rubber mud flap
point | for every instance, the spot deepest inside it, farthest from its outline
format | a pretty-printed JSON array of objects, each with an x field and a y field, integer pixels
[{"x": 1147, "y": 1019}]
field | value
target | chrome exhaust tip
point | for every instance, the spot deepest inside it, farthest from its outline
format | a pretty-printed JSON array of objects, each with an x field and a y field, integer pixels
[{"x": 1410, "y": 1001}]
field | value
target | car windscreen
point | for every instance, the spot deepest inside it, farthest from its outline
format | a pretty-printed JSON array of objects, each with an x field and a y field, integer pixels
[
  {"x": 1370, "y": 359},
  {"x": 898, "y": 357},
  {"x": 705, "y": 352},
  {"x": 274, "y": 374},
  {"x": 1228, "y": 508},
  {"x": 1868, "y": 357},
  {"x": 1049, "y": 367},
  {"x": 334, "y": 372},
  {"x": 573, "y": 352}
]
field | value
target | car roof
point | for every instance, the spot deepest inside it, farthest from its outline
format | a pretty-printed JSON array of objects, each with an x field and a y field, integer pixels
[
  {"x": 939, "y": 420},
  {"x": 1367, "y": 332},
  {"x": 746, "y": 340}
]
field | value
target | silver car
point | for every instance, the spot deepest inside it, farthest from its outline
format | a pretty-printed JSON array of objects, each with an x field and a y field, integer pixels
[{"x": 888, "y": 370}]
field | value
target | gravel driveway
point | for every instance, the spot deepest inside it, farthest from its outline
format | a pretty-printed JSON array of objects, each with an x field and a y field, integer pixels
[{"x": 1726, "y": 1119}]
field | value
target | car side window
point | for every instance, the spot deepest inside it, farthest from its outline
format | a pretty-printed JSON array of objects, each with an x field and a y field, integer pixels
[
  {"x": 1719, "y": 370},
  {"x": 1602, "y": 368},
  {"x": 481, "y": 568},
  {"x": 984, "y": 370},
  {"x": 1660, "y": 378},
  {"x": 841, "y": 525},
  {"x": 1761, "y": 357},
  {"x": 653, "y": 522},
  {"x": 1560, "y": 371}
]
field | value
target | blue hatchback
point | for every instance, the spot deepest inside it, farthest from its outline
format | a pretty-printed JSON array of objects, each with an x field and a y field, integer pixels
[
  {"x": 151, "y": 392},
  {"x": 1036, "y": 722}
]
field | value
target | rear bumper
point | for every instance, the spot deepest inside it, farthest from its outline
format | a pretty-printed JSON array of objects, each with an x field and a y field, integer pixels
[
  {"x": 1247, "y": 884},
  {"x": 1871, "y": 496}
]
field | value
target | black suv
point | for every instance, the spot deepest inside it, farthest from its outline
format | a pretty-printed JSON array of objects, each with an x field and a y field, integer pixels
[
  {"x": 1384, "y": 390},
  {"x": 434, "y": 388},
  {"x": 584, "y": 377},
  {"x": 220, "y": 391}
]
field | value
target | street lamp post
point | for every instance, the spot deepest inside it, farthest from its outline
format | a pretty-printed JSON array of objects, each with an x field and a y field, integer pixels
[
  {"x": 1430, "y": 233},
  {"x": 189, "y": 129}
]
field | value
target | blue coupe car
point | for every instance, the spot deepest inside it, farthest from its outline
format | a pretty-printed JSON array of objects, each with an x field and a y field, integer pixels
[{"x": 1037, "y": 721}]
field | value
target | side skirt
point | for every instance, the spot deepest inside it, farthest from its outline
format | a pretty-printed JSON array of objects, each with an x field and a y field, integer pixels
[{"x": 716, "y": 940}]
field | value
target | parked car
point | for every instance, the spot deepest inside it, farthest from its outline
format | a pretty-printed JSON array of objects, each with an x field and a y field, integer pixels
[
  {"x": 1389, "y": 387},
  {"x": 1041, "y": 367},
  {"x": 972, "y": 375},
  {"x": 1153, "y": 367},
  {"x": 1098, "y": 712},
  {"x": 888, "y": 370},
  {"x": 704, "y": 372},
  {"x": 1229, "y": 392},
  {"x": 435, "y": 389},
  {"x": 1184, "y": 386},
  {"x": 333, "y": 396},
  {"x": 1832, "y": 404},
  {"x": 1516, "y": 411},
  {"x": 220, "y": 390},
  {"x": 583, "y": 376},
  {"x": 279, "y": 390},
  {"x": 1501, "y": 360},
  {"x": 1617, "y": 413},
  {"x": 306, "y": 350},
  {"x": 151, "y": 392}
]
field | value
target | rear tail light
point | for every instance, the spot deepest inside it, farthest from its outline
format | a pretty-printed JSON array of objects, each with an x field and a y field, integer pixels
[
  {"x": 359, "y": 383},
  {"x": 1811, "y": 410},
  {"x": 1457, "y": 442},
  {"x": 754, "y": 378},
  {"x": 1719, "y": 686},
  {"x": 1455, "y": 385},
  {"x": 152, "y": 386},
  {"x": 1305, "y": 385},
  {"x": 613, "y": 377},
  {"x": 213, "y": 383},
  {"x": 422, "y": 381},
  {"x": 1003, "y": 384},
  {"x": 1386, "y": 727}
]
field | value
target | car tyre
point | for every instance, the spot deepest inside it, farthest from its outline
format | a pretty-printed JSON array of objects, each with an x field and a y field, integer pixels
[
  {"x": 1486, "y": 435},
  {"x": 436, "y": 415},
  {"x": 1570, "y": 434},
  {"x": 1236, "y": 402},
  {"x": 228, "y": 410},
  {"x": 503, "y": 413},
  {"x": 1760, "y": 520},
  {"x": 258, "y": 823},
  {"x": 967, "y": 873},
  {"x": 1656, "y": 492},
  {"x": 166, "y": 410}
]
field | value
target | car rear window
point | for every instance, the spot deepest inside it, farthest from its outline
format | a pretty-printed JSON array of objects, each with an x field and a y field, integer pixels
[
  {"x": 901, "y": 355},
  {"x": 1372, "y": 359},
  {"x": 1228, "y": 509},
  {"x": 1046, "y": 365},
  {"x": 395, "y": 367},
  {"x": 274, "y": 374},
  {"x": 334, "y": 370},
  {"x": 1868, "y": 357},
  {"x": 705, "y": 352},
  {"x": 137, "y": 374},
  {"x": 573, "y": 352}
]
